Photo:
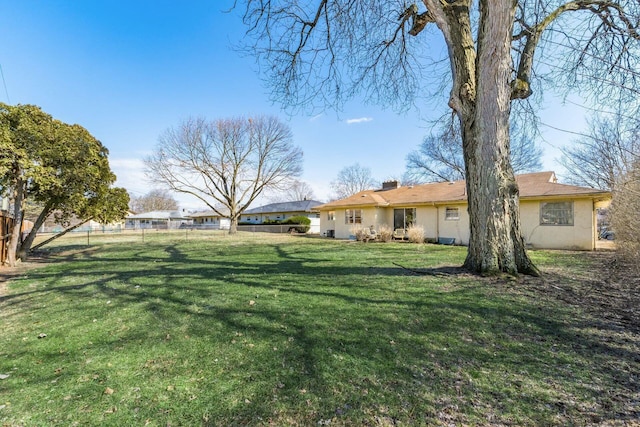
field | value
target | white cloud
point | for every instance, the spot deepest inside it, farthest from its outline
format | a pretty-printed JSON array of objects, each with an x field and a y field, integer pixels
[
  {"x": 130, "y": 175},
  {"x": 359, "y": 120}
]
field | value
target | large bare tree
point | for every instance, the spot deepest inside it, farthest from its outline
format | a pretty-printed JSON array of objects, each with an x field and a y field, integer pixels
[
  {"x": 296, "y": 190},
  {"x": 322, "y": 52},
  {"x": 226, "y": 163},
  {"x": 351, "y": 180},
  {"x": 624, "y": 215},
  {"x": 439, "y": 157},
  {"x": 154, "y": 200},
  {"x": 606, "y": 154}
]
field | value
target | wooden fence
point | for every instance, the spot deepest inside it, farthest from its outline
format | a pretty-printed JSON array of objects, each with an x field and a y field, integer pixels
[{"x": 5, "y": 228}]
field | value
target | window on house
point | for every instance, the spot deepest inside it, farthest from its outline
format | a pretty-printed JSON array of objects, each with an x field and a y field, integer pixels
[
  {"x": 353, "y": 216},
  {"x": 556, "y": 213},
  {"x": 331, "y": 216},
  {"x": 452, "y": 214},
  {"x": 403, "y": 218}
]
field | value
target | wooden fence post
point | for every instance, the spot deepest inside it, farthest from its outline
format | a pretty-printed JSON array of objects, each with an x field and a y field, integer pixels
[{"x": 6, "y": 223}]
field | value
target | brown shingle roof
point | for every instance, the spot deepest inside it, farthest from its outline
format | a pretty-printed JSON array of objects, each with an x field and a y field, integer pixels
[
  {"x": 210, "y": 213},
  {"x": 531, "y": 185},
  {"x": 544, "y": 184}
]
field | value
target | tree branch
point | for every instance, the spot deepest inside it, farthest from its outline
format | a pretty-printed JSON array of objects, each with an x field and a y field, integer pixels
[{"x": 521, "y": 85}]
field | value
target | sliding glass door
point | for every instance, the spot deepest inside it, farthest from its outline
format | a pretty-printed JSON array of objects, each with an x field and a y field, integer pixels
[{"x": 403, "y": 218}]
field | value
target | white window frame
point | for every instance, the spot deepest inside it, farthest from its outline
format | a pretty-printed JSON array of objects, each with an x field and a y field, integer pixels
[
  {"x": 353, "y": 216},
  {"x": 557, "y": 213},
  {"x": 452, "y": 214}
]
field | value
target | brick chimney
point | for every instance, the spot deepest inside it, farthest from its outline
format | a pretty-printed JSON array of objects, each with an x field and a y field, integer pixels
[{"x": 390, "y": 185}]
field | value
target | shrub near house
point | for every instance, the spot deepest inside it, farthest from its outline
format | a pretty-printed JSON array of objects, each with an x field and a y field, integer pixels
[{"x": 301, "y": 224}]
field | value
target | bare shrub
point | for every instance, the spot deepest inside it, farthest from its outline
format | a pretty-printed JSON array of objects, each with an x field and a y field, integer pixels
[
  {"x": 361, "y": 234},
  {"x": 415, "y": 233},
  {"x": 385, "y": 233},
  {"x": 625, "y": 216}
]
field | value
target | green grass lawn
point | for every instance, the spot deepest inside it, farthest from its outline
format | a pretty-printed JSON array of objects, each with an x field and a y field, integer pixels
[{"x": 199, "y": 328}]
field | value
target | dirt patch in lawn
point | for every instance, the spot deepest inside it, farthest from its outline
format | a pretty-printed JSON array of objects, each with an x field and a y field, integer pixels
[
  {"x": 607, "y": 292},
  {"x": 609, "y": 289}
]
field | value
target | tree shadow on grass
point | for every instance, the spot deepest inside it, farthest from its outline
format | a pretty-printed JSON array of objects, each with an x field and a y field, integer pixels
[{"x": 351, "y": 340}]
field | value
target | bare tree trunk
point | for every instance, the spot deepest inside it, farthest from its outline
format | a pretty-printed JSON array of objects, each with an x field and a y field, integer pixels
[
  {"x": 25, "y": 247},
  {"x": 57, "y": 235},
  {"x": 18, "y": 213},
  {"x": 233, "y": 225},
  {"x": 496, "y": 244}
]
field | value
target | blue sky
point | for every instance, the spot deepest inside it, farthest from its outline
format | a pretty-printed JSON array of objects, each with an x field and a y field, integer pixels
[{"x": 128, "y": 70}]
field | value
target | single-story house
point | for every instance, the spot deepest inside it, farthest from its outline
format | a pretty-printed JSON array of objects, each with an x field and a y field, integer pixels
[
  {"x": 282, "y": 211},
  {"x": 210, "y": 220},
  {"x": 267, "y": 213},
  {"x": 157, "y": 220},
  {"x": 553, "y": 215}
]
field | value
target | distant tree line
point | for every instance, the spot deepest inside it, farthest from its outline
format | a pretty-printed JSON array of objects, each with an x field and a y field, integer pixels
[
  {"x": 440, "y": 156},
  {"x": 154, "y": 200},
  {"x": 608, "y": 157},
  {"x": 226, "y": 163}
]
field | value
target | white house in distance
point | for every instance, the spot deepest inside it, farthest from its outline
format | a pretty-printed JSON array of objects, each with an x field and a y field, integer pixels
[
  {"x": 210, "y": 220},
  {"x": 157, "y": 220},
  {"x": 274, "y": 212},
  {"x": 553, "y": 215},
  {"x": 282, "y": 211}
]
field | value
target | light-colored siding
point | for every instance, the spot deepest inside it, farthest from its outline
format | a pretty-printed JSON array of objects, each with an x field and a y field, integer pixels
[
  {"x": 370, "y": 216},
  {"x": 579, "y": 236},
  {"x": 427, "y": 216},
  {"x": 385, "y": 216},
  {"x": 326, "y": 224},
  {"x": 314, "y": 227},
  {"x": 457, "y": 229},
  {"x": 213, "y": 222},
  {"x": 431, "y": 201}
]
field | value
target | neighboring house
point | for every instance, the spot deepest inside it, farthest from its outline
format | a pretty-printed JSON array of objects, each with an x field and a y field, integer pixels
[
  {"x": 157, "y": 220},
  {"x": 282, "y": 211},
  {"x": 262, "y": 214},
  {"x": 51, "y": 226},
  {"x": 210, "y": 220},
  {"x": 553, "y": 215}
]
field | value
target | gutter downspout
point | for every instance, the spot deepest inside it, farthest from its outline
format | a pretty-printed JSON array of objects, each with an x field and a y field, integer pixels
[
  {"x": 437, "y": 222},
  {"x": 594, "y": 225}
]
